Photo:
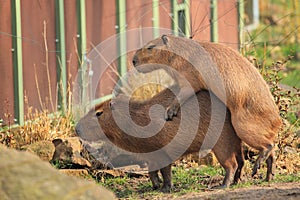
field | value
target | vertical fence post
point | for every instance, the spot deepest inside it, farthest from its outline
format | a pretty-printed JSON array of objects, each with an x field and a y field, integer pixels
[
  {"x": 81, "y": 49},
  {"x": 155, "y": 18},
  {"x": 61, "y": 54},
  {"x": 121, "y": 30},
  {"x": 17, "y": 61},
  {"x": 185, "y": 7},
  {"x": 214, "y": 20},
  {"x": 81, "y": 35},
  {"x": 241, "y": 11},
  {"x": 188, "y": 27},
  {"x": 175, "y": 25}
]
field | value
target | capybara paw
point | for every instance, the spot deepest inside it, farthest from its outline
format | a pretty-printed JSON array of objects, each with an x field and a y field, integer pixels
[
  {"x": 166, "y": 188},
  {"x": 254, "y": 171},
  {"x": 171, "y": 111},
  {"x": 255, "y": 168},
  {"x": 155, "y": 186},
  {"x": 156, "y": 183},
  {"x": 269, "y": 177}
]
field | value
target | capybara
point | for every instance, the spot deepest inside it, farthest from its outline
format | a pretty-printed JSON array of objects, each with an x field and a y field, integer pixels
[
  {"x": 172, "y": 138},
  {"x": 230, "y": 76}
]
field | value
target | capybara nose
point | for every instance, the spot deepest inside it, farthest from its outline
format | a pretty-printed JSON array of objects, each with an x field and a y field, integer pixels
[{"x": 135, "y": 61}]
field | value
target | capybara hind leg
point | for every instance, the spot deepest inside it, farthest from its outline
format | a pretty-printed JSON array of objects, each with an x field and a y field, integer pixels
[
  {"x": 154, "y": 179},
  {"x": 230, "y": 164},
  {"x": 229, "y": 176},
  {"x": 167, "y": 179},
  {"x": 252, "y": 132},
  {"x": 270, "y": 166},
  {"x": 262, "y": 156}
]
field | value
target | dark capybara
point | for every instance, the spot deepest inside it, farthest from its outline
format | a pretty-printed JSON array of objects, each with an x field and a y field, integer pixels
[
  {"x": 173, "y": 138},
  {"x": 230, "y": 76}
]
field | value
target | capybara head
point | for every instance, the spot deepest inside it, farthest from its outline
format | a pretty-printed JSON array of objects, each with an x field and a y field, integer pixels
[
  {"x": 88, "y": 127},
  {"x": 108, "y": 120},
  {"x": 157, "y": 51},
  {"x": 170, "y": 51}
]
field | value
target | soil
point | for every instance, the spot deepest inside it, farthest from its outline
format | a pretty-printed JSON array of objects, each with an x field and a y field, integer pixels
[{"x": 272, "y": 191}]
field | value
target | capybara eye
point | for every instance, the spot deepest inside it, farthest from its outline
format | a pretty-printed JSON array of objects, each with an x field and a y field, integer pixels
[
  {"x": 150, "y": 47},
  {"x": 99, "y": 113}
]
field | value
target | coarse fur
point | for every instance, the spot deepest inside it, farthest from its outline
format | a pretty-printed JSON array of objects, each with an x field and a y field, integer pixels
[
  {"x": 228, "y": 149},
  {"x": 206, "y": 65}
]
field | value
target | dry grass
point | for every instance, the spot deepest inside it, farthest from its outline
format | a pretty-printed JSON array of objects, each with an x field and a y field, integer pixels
[
  {"x": 144, "y": 86},
  {"x": 41, "y": 124}
]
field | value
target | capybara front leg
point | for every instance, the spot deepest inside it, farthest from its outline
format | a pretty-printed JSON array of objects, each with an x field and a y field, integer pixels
[
  {"x": 172, "y": 110},
  {"x": 167, "y": 177},
  {"x": 184, "y": 94},
  {"x": 155, "y": 179}
]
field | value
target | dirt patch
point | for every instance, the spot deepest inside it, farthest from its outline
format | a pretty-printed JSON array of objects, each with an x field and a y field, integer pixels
[{"x": 272, "y": 191}]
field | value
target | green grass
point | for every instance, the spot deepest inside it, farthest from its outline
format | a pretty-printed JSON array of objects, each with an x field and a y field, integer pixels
[
  {"x": 184, "y": 181},
  {"x": 279, "y": 178},
  {"x": 292, "y": 78}
]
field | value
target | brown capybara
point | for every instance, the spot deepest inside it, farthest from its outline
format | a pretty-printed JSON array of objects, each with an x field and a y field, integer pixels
[
  {"x": 230, "y": 76},
  {"x": 174, "y": 139}
]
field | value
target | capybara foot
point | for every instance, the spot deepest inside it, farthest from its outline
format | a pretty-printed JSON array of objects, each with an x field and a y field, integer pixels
[
  {"x": 172, "y": 111},
  {"x": 166, "y": 188},
  {"x": 255, "y": 168},
  {"x": 269, "y": 177},
  {"x": 155, "y": 187},
  {"x": 155, "y": 180},
  {"x": 156, "y": 184},
  {"x": 264, "y": 155}
]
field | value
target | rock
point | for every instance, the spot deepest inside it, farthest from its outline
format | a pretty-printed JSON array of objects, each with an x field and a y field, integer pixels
[
  {"x": 83, "y": 173},
  {"x": 24, "y": 176},
  {"x": 43, "y": 149},
  {"x": 69, "y": 152},
  {"x": 290, "y": 150},
  {"x": 111, "y": 156}
]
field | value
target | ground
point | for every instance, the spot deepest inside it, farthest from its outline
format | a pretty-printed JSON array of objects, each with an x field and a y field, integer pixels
[{"x": 271, "y": 191}]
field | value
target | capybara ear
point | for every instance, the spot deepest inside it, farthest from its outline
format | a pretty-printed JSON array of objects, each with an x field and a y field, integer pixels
[
  {"x": 111, "y": 105},
  {"x": 164, "y": 39}
]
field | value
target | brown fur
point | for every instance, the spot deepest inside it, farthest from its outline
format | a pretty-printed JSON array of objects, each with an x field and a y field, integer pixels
[
  {"x": 255, "y": 116},
  {"x": 227, "y": 149}
]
